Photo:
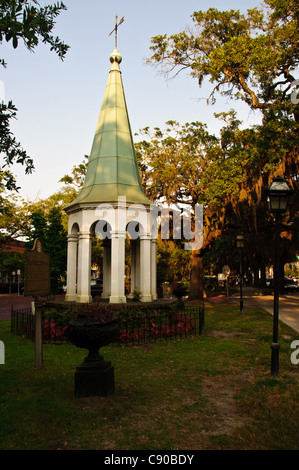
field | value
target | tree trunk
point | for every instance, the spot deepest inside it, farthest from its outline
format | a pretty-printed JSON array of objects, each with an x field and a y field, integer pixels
[
  {"x": 263, "y": 276},
  {"x": 256, "y": 277},
  {"x": 196, "y": 287}
]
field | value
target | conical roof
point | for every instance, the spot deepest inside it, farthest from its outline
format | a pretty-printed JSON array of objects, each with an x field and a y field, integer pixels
[{"x": 112, "y": 169}]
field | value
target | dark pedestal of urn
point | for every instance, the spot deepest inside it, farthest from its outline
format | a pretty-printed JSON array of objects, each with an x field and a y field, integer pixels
[
  {"x": 95, "y": 376},
  {"x": 94, "y": 380}
]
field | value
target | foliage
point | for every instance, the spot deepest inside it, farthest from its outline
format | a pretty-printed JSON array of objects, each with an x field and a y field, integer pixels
[
  {"x": 173, "y": 161},
  {"x": 173, "y": 164},
  {"x": 179, "y": 289},
  {"x": 10, "y": 149},
  {"x": 98, "y": 312},
  {"x": 97, "y": 251},
  {"x": 56, "y": 244},
  {"x": 31, "y": 23},
  {"x": 173, "y": 262},
  {"x": 77, "y": 176},
  {"x": 136, "y": 295},
  {"x": 49, "y": 229},
  {"x": 249, "y": 57},
  {"x": 176, "y": 326},
  {"x": 11, "y": 261},
  {"x": 141, "y": 324}
]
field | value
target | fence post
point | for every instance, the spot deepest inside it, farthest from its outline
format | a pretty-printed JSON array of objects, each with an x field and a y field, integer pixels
[
  {"x": 12, "y": 320},
  {"x": 38, "y": 335},
  {"x": 2, "y": 353}
]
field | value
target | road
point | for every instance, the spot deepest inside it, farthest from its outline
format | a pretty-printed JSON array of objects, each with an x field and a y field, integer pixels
[{"x": 288, "y": 305}]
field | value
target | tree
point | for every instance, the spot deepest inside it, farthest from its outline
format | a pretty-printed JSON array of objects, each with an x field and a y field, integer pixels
[
  {"x": 48, "y": 228},
  {"x": 250, "y": 57},
  {"x": 31, "y": 23},
  {"x": 37, "y": 229},
  {"x": 173, "y": 166},
  {"x": 76, "y": 179},
  {"x": 56, "y": 245}
]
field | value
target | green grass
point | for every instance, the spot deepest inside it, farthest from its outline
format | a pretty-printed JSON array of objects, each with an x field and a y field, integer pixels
[{"x": 209, "y": 392}]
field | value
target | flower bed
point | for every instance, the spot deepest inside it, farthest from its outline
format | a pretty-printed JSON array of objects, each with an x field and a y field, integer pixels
[{"x": 138, "y": 323}]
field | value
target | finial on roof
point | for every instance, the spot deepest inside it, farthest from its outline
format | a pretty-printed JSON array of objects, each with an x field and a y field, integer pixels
[
  {"x": 115, "y": 29},
  {"x": 115, "y": 57}
]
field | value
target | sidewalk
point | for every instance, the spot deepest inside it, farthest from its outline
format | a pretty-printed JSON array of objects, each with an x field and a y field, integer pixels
[
  {"x": 9, "y": 300},
  {"x": 17, "y": 301},
  {"x": 288, "y": 304}
]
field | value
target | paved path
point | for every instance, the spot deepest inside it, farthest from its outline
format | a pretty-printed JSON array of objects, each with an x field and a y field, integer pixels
[
  {"x": 7, "y": 300},
  {"x": 288, "y": 305},
  {"x": 17, "y": 301}
]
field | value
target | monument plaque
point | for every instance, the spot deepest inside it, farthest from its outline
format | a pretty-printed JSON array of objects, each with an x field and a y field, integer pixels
[{"x": 37, "y": 271}]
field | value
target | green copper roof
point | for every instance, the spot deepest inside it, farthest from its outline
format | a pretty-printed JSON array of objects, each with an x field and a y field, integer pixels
[{"x": 112, "y": 167}]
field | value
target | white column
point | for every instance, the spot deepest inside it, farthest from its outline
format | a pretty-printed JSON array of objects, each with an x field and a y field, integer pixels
[
  {"x": 133, "y": 268},
  {"x": 137, "y": 265},
  {"x": 117, "y": 267},
  {"x": 154, "y": 269},
  {"x": 84, "y": 267},
  {"x": 145, "y": 268},
  {"x": 72, "y": 242},
  {"x": 106, "y": 272}
]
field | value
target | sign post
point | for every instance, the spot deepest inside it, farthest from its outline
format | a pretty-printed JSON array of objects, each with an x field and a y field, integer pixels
[
  {"x": 18, "y": 273},
  {"x": 37, "y": 284},
  {"x": 226, "y": 272}
]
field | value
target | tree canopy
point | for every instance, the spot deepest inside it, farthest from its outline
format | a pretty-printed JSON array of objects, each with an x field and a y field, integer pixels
[
  {"x": 251, "y": 57},
  {"x": 22, "y": 20}
]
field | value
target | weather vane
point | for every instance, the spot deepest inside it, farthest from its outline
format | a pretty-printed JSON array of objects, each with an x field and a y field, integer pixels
[{"x": 115, "y": 29}]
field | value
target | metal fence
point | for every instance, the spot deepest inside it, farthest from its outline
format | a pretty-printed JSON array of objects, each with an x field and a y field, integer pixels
[
  {"x": 138, "y": 323},
  {"x": 22, "y": 322},
  {"x": 147, "y": 324}
]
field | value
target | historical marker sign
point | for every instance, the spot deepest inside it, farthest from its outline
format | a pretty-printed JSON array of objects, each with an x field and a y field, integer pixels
[{"x": 37, "y": 271}]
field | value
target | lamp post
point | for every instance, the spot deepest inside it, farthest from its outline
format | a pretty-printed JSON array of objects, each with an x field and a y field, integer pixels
[
  {"x": 278, "y": 195},
  {"x": 240, "y": 245}
]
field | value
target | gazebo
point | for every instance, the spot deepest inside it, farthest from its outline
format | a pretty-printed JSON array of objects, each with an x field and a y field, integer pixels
[{"x": 112, "y": 204}]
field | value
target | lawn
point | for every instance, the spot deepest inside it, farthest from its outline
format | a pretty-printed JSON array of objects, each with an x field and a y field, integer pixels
[{"x": 212, "y": 392}]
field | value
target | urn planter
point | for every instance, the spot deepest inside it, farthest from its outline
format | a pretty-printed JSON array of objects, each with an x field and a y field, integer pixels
[{"x": 95, "y": 376}]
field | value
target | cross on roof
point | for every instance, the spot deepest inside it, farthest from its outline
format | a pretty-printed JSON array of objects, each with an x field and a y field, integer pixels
[{"x": 115, "y": 29}]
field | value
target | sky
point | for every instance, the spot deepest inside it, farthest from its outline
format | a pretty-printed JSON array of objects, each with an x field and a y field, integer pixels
[{"x": 59, "y": 102}]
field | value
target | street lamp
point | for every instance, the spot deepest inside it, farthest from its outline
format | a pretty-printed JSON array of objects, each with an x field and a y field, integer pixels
[
  {"x": 278, "y": 196},
  {"x": 240, "y": 241}
]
